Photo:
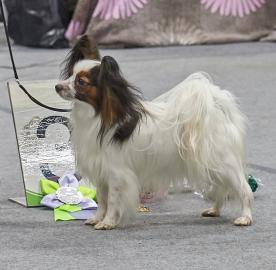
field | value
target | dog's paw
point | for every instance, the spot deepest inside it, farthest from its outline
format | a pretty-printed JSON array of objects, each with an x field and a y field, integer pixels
[
  {"x": 104, "y": 226},
  {"x": 210, "y": 212},
  {"x": 243, "y": 221},
  {"x": 92, "y": 221}
]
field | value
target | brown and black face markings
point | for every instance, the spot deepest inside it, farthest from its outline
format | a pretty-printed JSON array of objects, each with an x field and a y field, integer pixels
[
  {"x": 86, "y": 87},
  {"x": 116, "y": 101}
]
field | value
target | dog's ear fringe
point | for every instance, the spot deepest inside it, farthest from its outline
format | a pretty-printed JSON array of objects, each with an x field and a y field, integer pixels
[
  {"x": 85, "y": 48},
  {"x": 71, "y": 59},
  {"x": 129, "y": 107}
]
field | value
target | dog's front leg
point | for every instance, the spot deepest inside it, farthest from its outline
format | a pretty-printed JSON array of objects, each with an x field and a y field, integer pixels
[
  {"x": 123, "y": 198},
  {"x": 113, "y": 213},
  {"x": 102, "y": 193}
]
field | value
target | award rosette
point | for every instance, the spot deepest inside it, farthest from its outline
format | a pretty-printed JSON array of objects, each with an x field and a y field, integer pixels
[{"x": 69, "y": 200}]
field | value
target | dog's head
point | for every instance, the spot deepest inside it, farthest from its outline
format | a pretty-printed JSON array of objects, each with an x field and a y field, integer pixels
[{"x": 101, "y": 85}]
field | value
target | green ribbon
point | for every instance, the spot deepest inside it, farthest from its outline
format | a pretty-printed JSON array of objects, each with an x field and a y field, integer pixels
[
  {"x": 48, "y": 187},
  {"x": 63, "y": 212}
]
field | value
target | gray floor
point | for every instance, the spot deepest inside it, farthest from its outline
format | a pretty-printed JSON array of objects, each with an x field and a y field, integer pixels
[{"x": 173, "y": 235}]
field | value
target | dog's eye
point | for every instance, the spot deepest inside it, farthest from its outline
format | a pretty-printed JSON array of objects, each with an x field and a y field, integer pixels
[{"x": 81, "y": 82}]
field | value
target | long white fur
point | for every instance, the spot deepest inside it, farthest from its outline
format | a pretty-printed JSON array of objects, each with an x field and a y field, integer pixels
[{"x": 195, "y": 131}]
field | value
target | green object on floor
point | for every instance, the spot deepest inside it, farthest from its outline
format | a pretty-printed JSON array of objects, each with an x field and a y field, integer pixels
[{"x": 252, "y": 182}]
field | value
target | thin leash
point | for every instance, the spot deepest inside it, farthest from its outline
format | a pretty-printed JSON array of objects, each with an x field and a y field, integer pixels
[{"x": 15, "y": 71}]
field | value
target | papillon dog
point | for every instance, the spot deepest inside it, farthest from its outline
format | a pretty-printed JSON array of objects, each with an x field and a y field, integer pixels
[{"x": 125, "y": 145}]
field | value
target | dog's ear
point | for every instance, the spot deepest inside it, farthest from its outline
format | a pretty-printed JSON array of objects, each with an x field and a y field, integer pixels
[
  {"x": 120, "y": 102},
  {"x": 110, "y": 74},
  {"x": 85, "y": 48}
]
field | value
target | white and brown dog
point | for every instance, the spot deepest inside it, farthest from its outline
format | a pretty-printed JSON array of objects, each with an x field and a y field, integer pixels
[{"x": 124, "y": 144}]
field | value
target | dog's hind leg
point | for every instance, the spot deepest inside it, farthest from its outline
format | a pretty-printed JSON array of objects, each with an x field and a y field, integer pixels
[
  {"x": 231, "y": 183},
  {"x": 213, "y": 211},
  {"x": 246, "y": 198},
  {"x": 240, "y": 190},
  {"x": 218, "y": 197},
  {"x": 102, "y": 194},
  {"x": 235, "y": 183}
]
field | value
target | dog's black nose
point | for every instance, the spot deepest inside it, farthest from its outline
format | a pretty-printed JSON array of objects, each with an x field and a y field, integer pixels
[{"x": 59, "y": 87}]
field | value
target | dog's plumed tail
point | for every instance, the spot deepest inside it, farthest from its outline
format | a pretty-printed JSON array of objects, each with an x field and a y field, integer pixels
[
  {"x": 194, "y": 107},
  {"x": 208, "y": 129},
  {"x": 203, "y": 113},
  {"x": 206, "y": 117}
]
